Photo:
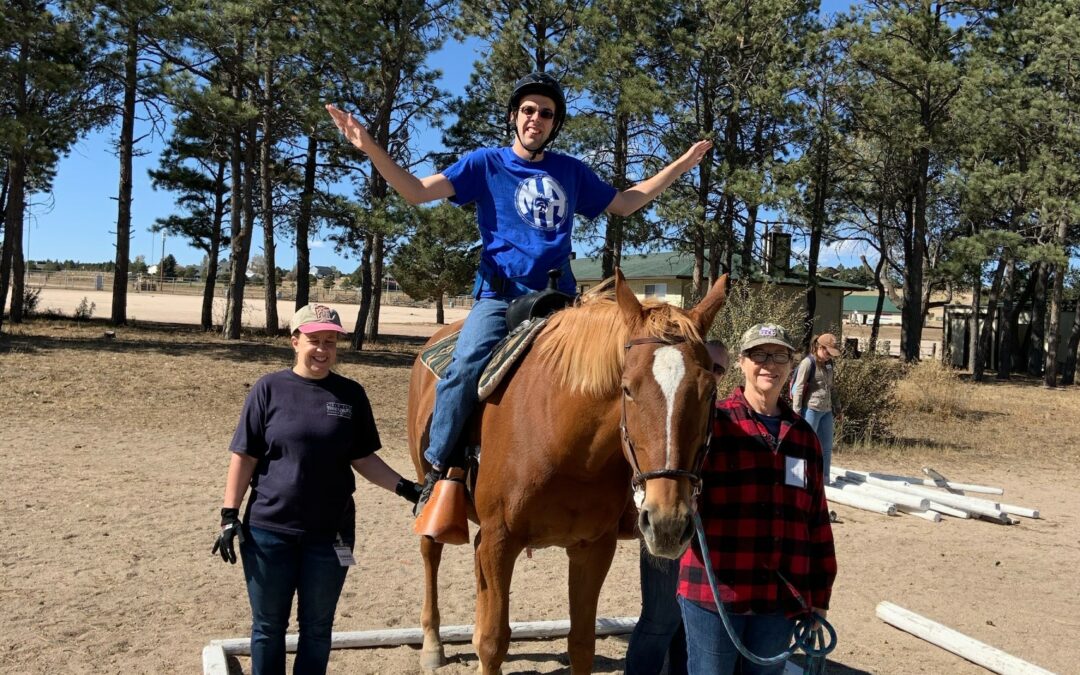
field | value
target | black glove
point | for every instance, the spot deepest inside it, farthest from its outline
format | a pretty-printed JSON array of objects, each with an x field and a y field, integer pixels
[
  {"x": 230, "y": 529},
  {"x": 408, "y": 490}
]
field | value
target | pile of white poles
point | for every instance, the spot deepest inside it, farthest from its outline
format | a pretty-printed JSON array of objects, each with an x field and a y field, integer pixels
[{"x": 927, "y": 498}]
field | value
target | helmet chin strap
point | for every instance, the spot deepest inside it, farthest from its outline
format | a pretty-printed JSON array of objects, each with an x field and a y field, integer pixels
[{"x": 536, "y": 152}]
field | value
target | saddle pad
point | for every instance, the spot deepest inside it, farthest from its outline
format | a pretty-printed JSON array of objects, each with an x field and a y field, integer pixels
[{"x": 506, "y": 353}]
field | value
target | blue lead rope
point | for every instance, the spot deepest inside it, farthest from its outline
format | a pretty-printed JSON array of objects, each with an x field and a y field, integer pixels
[{"x": 807, "y": 638}]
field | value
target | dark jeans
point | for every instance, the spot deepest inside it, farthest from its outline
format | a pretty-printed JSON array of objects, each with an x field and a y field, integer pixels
[
  {"x": 276, "y": 567},
  {"x": 659, "y": 630},
  {"x": 711, "y": 652}
]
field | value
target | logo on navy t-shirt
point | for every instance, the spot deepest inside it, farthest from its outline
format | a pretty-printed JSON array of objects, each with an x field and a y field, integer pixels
[
  {"x": 335, "y": 409},
  {"x": 542, "y": 203}
]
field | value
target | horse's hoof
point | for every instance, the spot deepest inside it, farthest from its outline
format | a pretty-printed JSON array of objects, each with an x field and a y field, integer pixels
[{"x": 432, "y": 659}]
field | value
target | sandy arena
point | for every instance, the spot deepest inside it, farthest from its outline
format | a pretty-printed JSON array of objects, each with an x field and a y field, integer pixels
[{"x": 113, "y": 462}]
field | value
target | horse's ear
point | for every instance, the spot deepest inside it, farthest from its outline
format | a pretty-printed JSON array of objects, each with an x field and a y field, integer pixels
[
  {"x": 627, "y": 301},
  {"x": 705, "y": 311}
]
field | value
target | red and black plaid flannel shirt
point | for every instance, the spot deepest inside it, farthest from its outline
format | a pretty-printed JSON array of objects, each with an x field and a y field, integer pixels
[{"x": 755, "y": 524}]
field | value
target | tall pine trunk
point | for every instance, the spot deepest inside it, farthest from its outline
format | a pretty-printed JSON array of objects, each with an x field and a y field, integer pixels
[
  {"x": 267, "y": 190},
  {"x": 1006, "y": 336},
  {"x": 1037, "y": 327},
  {"x": 303, "y": 223},
  {"x": 1053, "y": 324},
  {"x": 982, "y": 345},
  {"x": 210, "y": 282},
  {"x": 613, "y": 235},
  {"x": 123, "y": 200}
]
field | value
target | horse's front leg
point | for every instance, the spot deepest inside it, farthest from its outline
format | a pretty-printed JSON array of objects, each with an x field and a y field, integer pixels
[
  {"x": 495, "y": 557},
  {"x": 589, "y": 565},
  {"x": 432, "y": 655}
]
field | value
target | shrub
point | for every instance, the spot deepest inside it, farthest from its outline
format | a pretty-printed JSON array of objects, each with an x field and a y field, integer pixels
[
  {"x": 31, "y": 298},
  {"x": 866, "y": 388},
  {"x": 932, "y": 387},
  {"x": 85, "y": 310}
]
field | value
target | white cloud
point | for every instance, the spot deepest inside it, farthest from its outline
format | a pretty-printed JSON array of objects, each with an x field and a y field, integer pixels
[{"x": 316, "y": 243}]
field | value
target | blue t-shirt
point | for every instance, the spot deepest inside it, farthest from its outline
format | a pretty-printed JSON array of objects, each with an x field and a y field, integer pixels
[
  {"x": 304, "y": 433},
  {"x": 525, "y": 211}
]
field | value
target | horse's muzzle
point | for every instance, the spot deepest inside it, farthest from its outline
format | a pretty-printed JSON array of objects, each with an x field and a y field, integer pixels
[{"x": 665, "y": 531}]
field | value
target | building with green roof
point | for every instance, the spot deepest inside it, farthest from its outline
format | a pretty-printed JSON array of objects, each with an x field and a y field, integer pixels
[{"x": 668, "y": 276}]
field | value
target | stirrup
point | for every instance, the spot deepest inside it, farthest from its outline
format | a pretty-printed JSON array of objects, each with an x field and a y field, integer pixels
[{"x": 443, "y": 517}]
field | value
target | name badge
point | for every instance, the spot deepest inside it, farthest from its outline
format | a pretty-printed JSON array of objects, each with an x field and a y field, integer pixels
[
  {"x": 344, "y": 553},
  {"x": 795, "y": 472}
]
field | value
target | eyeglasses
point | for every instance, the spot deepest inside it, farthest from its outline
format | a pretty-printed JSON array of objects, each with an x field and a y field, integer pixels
[
  {"x": 530, "y": 110},
  {"x": 779, "y": 358}
]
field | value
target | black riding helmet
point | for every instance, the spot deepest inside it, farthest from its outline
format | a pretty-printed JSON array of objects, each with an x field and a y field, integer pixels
[{"x": 545, "y": 85}]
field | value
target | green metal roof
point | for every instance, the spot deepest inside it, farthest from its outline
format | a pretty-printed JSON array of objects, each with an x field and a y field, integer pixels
[
  {"x": 867, "y": 304},
  {"x": 672, "y": 264}
]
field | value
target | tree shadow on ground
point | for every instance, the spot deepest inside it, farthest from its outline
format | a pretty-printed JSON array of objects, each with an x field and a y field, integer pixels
[
  {"x": 831, "y": 667},
  {"x": 178, "y": 341}
]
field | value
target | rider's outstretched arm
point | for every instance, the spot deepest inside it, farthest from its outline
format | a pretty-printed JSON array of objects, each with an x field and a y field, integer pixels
[
  {"x": 414, "y": 190},
  {"x": 631, "y": 199}
]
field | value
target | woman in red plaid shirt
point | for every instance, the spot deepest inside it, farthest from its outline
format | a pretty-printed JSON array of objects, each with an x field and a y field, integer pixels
[{"x": 765, "y": 516}]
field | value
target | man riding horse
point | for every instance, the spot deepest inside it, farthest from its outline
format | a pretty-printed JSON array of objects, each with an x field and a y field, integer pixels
[{"x": 526, "y": 198}]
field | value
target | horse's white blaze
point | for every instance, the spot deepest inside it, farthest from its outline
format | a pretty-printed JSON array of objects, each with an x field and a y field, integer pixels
[{"x": 668, "y": 370}]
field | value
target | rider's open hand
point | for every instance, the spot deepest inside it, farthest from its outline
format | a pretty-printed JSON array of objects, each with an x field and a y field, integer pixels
[
  {"x": 693, "y": 156},
  {"x": 230, "y": 531},
  {"x": 349, "y": 127}
]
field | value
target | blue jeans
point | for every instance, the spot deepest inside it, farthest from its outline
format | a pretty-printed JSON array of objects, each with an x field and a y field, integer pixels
[
  {"x": 276, "y": 567},
  {"x": 822, "y": 422},
  {"x": 455, "y": 394},
  {"x": 710, "y": 650},
  {"x": 659, "y": 631}
]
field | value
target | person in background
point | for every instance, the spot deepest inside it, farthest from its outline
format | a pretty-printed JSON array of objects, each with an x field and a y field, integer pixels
[
  {"x": 765, "y": 518},
  {"x": 526, "y": 198},
  {"x": 301, "y": 434},
  {"x": 658, "y": 643},
  {"x": 814, "y": 394}
]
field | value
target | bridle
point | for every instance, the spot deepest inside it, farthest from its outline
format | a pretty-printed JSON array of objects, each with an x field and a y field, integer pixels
[{"x": 639, "y": 477}]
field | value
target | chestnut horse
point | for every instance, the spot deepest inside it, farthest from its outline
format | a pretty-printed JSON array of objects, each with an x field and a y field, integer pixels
[{"x": 613, "y": 394}]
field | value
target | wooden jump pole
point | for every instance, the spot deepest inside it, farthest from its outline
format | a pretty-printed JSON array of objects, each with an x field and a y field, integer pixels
[
  {"x": 521, "y": 630},
  {"x": 979, "y": 653}
]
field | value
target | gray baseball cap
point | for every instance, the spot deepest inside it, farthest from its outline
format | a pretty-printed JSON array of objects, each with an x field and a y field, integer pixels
[{"x": 765, "y": 334}]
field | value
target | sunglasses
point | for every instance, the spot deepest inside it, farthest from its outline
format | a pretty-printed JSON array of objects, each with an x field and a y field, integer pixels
[
  {"x": 530, "y": 110},
  {"x": 779, "y": 358}
]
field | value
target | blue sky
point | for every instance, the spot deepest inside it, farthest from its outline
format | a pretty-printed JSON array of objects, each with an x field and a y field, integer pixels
[{"x": 77, "y": 221}]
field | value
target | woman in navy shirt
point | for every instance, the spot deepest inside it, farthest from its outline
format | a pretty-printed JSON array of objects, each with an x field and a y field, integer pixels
[{"x": 301, "y": 433}]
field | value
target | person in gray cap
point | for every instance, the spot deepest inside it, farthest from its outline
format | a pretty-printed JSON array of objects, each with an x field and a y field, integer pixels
[
  {"x": 301, "y": 434},
  {"x": 765, "y": 516}
]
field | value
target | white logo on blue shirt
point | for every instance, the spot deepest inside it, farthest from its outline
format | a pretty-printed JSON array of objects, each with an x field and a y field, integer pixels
[
  {"x": 334, "y": 409},
  {"x": 541, "y": 202}
]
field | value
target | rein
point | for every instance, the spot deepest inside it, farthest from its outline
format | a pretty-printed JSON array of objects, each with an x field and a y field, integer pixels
[{"x": 639, "y": 477}]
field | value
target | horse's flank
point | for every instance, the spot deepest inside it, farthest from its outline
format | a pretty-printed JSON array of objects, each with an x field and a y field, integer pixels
[{"x": 583, "y": 347}]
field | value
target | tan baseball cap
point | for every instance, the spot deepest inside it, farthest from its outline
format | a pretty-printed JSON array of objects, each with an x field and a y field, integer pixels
[
  {"x": 765, "y": 334},
  {"x": 313, "y": 318},
  {"x": 830, "y": 343}
]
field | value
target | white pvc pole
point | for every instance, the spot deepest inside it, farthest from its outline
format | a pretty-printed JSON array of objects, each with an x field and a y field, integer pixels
[
  {"x": 925, "y": 514},
  {"x": 885, "y": 494},
  {"x": 925, "y": 482},
  {"x": 948, "y": 510},
  {"x": 1019, "y": 511},
  {"x": 973, "y": 505},
  {"x": 521, "y": 630},
  {"x": 860, "y": 501},
  {"x": 214, "y": 660},
  {"x": 988, "y": 657}
]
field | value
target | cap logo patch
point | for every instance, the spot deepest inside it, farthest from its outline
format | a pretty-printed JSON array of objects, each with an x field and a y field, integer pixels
[
  {"x": 767, "y": 331},
  {"x": 322, "y": 312}
]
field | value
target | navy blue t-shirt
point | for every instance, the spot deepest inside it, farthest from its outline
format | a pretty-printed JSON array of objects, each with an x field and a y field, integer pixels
[
  {"x": 304, "y": 433},
  {"x": 525, "y": 211}
]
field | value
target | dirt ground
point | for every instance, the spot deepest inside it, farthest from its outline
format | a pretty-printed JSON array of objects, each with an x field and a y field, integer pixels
[{"x": 113, "y": 461}]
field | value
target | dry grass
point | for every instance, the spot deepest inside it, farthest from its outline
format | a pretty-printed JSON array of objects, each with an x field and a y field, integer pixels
[{"x": 931, "y": 387}]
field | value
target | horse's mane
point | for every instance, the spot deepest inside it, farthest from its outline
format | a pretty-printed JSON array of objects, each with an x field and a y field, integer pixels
[{"x": 583, "y": 346}]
